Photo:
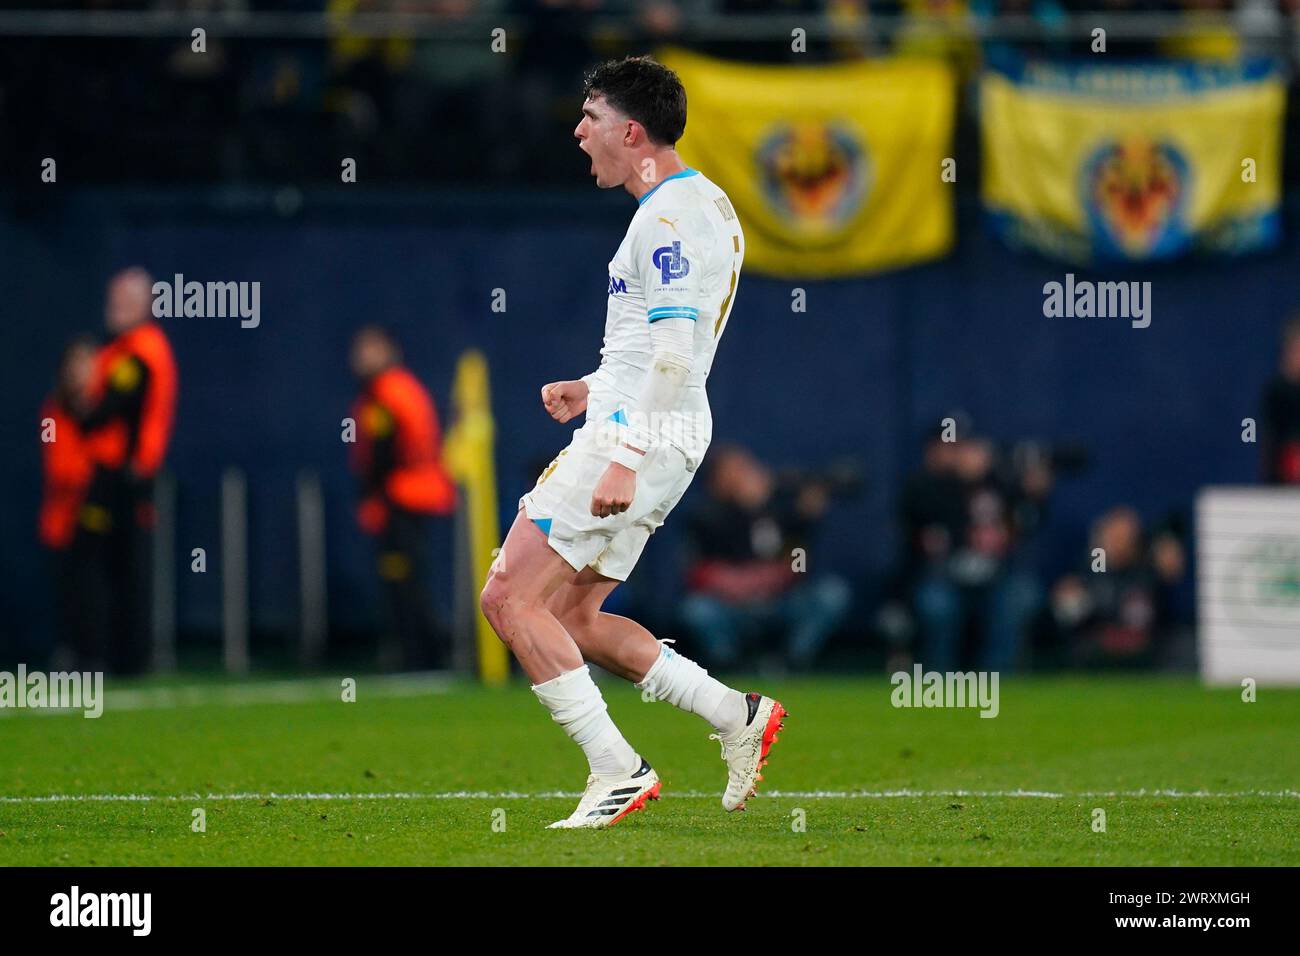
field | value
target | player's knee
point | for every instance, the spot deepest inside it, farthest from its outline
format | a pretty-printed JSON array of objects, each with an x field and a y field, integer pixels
[
  {"x": 494, "y": 601},
  {"x": 504, "y": 608}
]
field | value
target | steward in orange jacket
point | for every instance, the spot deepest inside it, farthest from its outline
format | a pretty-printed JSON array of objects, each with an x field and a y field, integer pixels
[
  {"x": 129, "y": 426},
  {"x": 65, "y": 452},
  {"x": 67, "y": 470},
  {"x": 397, "y": 458},
  {"x": 135, "y": 401}
]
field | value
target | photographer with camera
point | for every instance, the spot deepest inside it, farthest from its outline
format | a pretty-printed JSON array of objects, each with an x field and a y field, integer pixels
[
  {"x": 743, "y": 579},
  {"x": 1123, "y": 612},
  {"x": 969, "y": 516}
]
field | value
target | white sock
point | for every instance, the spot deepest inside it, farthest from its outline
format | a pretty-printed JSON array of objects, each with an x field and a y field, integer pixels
[
  {"x": 685, "y": 684},
  {"x": 576, "y": 705}
]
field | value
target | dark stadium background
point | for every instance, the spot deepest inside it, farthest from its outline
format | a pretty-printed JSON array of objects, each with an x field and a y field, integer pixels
[{"x": 202, "y": 177}]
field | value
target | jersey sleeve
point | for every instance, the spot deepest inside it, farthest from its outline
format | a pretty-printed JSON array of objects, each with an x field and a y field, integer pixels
[{"x": 672, "y": 264}]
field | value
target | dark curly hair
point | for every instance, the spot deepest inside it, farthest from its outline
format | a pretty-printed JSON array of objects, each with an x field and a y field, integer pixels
[{"x": 643, "y": 90}]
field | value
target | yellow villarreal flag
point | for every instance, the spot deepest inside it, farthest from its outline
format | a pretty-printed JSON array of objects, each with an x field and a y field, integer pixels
[
  {"x": 1105, "y": 163},
  {"x": 833, "y": 170}
]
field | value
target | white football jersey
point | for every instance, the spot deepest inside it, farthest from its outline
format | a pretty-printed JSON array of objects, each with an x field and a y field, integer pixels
[{"x": 681, "y": 258}]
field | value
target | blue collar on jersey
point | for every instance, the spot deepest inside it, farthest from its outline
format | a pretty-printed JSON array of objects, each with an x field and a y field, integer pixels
[{"x": 685, "y": 172}]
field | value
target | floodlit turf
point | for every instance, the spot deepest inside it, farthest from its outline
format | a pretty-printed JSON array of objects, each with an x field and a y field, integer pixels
[{"x": 1092, "y": 743}]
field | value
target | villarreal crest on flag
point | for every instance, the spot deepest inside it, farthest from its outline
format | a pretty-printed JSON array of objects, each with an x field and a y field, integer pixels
[
  {"x": 833, "y": 170},
  {"x": 1104, "y": 163}
]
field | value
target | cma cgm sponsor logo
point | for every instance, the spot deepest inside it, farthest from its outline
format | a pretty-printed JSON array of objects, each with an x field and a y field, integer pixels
[
  {"x": 1135, "y": 194},
  {"x": 617, "y": 286},
  {"x": 670, "y": 262},
  {"x": 815, "y": 175}
]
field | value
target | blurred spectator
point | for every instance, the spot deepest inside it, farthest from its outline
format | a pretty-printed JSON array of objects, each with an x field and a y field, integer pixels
[
  {"x": 435, "y": 102},
  {"x": 1262, "y": 27},
  {"x": 129, "y": 424},
  {"x": 1123, "y": 613},
  {"x": 938, "y": 28},
  {"x": 1048, "y": 16},
  {"x": 67, "y": 469},
  {"x": 966, "y": 525},
  {"x": 933, "y": 506},
  {"x": 1204, "y": 33},
  {"x": 742, "y": 581},
  {"x": 398, "y": 462},
  {"x": 768, "y": 49},
  {"x": 1280, "y": 424}
]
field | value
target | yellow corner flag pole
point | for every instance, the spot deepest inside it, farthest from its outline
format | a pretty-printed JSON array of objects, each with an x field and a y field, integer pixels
[{"x": 468, "y": 453}]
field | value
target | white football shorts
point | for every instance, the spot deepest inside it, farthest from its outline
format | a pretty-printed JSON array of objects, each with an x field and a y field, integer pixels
[{"x": 560, "y": 503}]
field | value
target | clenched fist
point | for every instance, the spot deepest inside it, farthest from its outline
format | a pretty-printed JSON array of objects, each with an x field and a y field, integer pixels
[
  {"x": 614, "y": 492},
  {"x": 564, "y": 400}
]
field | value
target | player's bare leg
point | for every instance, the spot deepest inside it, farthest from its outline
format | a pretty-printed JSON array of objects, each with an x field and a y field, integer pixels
[
  {"x": 618, "y": 644},
  {"x": 515, "y": 602},
  {"x": 746, "y": 724}
]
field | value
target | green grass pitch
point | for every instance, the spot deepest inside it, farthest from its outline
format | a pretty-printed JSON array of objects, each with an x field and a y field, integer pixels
[{"x": 415, "y": 773}]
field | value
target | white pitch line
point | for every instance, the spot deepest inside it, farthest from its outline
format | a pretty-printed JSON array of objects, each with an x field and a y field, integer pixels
[
  {"x": 276, "y": 692},
  {"x": 294, "y": 691},
  {"x": 684, "y": 794}
]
